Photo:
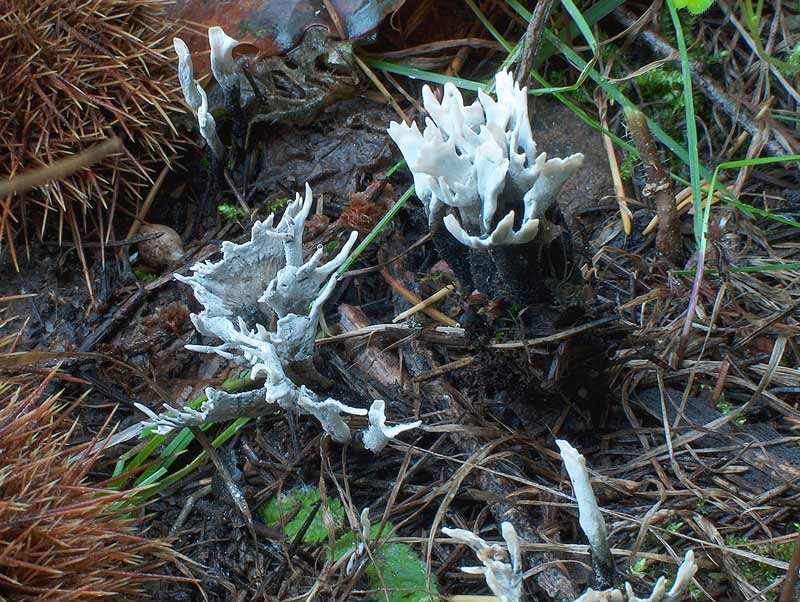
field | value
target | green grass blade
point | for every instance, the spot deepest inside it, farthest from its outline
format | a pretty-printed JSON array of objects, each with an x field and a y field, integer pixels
[
  {"x": 169, "y": 480},
  {"x": 769, "y": 267},
  {"x": 398, "y": 204},
  {"x": 578, "y": 20},
  {"x": 178, "y": 443},
  {"x": 420, "y": 74},
  {"x": 691, "y": 129},
  {"x": 743, "y": 206},
  {"x": 489, "y": 26}
]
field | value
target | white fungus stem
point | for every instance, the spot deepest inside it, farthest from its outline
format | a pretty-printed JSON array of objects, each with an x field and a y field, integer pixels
[
  {"x": 589, "y": 515},
  {"x": 186, "y": 75},
  {"x": 208, "y": 126}
]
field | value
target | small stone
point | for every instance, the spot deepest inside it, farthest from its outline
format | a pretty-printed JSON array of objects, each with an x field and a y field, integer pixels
[{"x": 163, "y": 251}]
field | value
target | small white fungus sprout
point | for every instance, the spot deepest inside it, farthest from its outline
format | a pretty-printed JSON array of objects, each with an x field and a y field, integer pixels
[
  {"x": 683, "y": 578},
  {"x": 207, "y": 124},
  {"x": 504, "y": 578},
  {"x": 358, "y": 556},
  {"x": 481, "y": 160},
  {"x": 378, "y": 435},
  {"x": 589, "y": 515},
  {"x": 186, "y": 75},
  {"x": 222, "y": 64}
]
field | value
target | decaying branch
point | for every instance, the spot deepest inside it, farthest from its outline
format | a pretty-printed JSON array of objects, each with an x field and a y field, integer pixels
[{"x": 658, "y": 186}]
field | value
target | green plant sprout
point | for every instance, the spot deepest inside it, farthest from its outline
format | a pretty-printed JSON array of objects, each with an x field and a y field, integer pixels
[
  {"x": 675, "y": 527},
  {"x": 144, "y": 275},
  {"x": 639, "y": 568},
  {"x": 231, "y": 211},
  {"x": 759, "y": 573},
  {"x": 752, "y": 18},
  {"x": 277, "y": 204},
  {"x": 650, "y": 571},
  {"x": 299, "y": 503},
  {"x": 694, "y": 6},
  {"x": 393, "y": 566},
  {"x": 723, "y": 407},
  {"x": 331, "y": 245},
  {"x": 793, "y": 58}
]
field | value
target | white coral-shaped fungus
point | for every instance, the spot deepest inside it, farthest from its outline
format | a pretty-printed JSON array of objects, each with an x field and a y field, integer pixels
[
  {"x": 260, "y": 282},
  {"x": 481, "y": 160},
  {"x": 683, "y": 578},
  {"x": 504, "y": 578},
  {"x": 378, "y": 435}
]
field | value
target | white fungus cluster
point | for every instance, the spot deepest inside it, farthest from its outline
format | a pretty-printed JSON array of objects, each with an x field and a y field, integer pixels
[
  {"x": 502, "y": 569},
  {"x": 659, "y": 593},
  {"x": 265, "y": 281},
  {"x": 481, "y": 160},
  {"x": 223, "y": 67}
]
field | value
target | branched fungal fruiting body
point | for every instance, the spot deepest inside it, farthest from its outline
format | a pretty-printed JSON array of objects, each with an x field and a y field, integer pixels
[
  {"x": 659, "y": 593},
  {"x": 502, "y": 569},
  {"x": 265, "y": 281},
  {"x": 481, "y": 160},
  {"x": 378, "y": 435}
]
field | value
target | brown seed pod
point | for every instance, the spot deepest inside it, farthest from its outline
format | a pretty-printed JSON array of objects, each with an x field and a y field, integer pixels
[{"x": 163, "y": 251}]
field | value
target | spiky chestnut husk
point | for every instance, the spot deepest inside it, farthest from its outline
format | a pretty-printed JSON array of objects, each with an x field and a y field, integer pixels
[
  {"x": 73, "y": 73},
  {"x": 62, "y": 538}
]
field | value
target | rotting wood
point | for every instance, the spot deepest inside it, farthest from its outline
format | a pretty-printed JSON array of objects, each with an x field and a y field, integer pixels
[
  {"x": 367, "y": 355},
  {"x": 658, "y": 187},
  {"x": 772, "y": 463}
]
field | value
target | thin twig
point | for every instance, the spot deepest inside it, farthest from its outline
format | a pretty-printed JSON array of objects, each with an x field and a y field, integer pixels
[
  {"x": 438, "y": 295},
  {"x": 61, "y": 168},
  {"x": 553, "y": 338},
  {"x": 414, "y": 300},
  {"x": 151, "y": 196},
  {"x": 533, "y": 39},
  {"x": 444, "y": 369},
  {"x": 658, "y": 186},
  {"x": 616, "y": 177},
  {"x": 791, "y": 573}
]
